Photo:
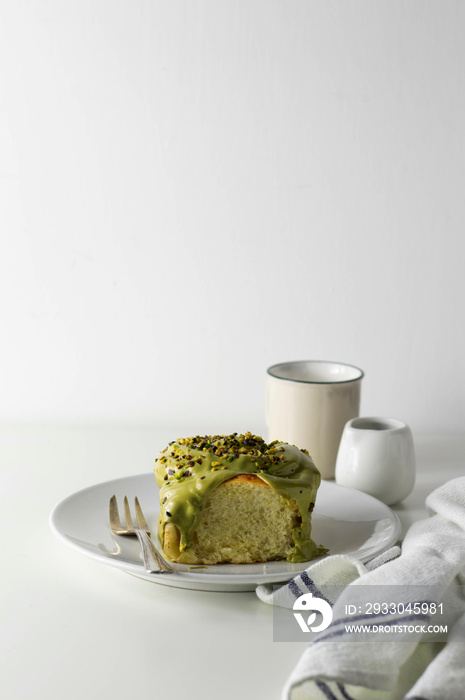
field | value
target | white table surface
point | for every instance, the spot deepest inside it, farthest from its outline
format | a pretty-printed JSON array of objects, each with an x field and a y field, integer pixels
[{"x": 74, "y": 628}]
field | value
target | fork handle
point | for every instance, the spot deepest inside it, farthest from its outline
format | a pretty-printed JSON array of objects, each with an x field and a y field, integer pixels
[{"x": 152, "y": 560}]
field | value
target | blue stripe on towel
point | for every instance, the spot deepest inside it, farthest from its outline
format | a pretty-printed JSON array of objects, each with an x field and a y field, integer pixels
[
  {"x": 294, "y": 588},
  {"x": 343, "y": 692},
  {"x": 312, "y": 588},
  {"x": 324, "y": 689}
]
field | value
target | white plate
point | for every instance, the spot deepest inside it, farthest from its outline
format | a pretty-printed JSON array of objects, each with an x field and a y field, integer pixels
[{"x": 344, "y": 520}]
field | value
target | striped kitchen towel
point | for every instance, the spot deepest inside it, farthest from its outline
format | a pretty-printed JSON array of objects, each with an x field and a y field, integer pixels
[{"x": 341, "y": 663}]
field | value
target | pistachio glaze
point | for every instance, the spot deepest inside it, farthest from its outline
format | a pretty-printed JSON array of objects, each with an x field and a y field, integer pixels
[{"x": 189, "y": 469}]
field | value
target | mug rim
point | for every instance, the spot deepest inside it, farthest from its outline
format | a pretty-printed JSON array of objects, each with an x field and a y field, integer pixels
[
  {"x": 385, "y": 424},
  {"x": 314, "y": 362}
]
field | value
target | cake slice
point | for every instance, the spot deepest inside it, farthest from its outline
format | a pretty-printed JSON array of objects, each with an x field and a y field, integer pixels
[{"x": 235, "y": 499}]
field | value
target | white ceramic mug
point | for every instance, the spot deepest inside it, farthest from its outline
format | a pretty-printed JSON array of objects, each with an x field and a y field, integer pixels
[
  {"x": 308, "y": 403},
  {"x": 377, "y": 456}
]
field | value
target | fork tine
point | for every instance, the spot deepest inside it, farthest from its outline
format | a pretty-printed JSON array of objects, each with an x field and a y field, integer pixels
[
  {"x": 115, "y": 522},
  {"x": 141, "y": 521},
  {"x": 153, "y": 561},
  {"x": 127, "y": 514}
]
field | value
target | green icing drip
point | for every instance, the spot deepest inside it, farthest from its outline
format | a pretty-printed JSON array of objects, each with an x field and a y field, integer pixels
[{"x": 189, "y": 469}]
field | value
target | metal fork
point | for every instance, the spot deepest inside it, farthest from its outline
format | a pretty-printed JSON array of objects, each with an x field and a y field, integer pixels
[{"x": 154, "y": 562}]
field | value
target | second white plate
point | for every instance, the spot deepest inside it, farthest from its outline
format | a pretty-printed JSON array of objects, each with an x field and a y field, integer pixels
[{"x": 345, "y": 521}]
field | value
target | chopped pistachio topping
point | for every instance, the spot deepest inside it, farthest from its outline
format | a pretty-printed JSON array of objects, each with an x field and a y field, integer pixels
[{"x": 227, "y": 447}]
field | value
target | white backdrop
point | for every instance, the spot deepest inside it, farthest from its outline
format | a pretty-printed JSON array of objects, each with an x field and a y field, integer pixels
[{"x": 191, "y": 191}]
